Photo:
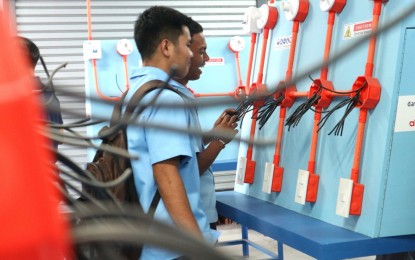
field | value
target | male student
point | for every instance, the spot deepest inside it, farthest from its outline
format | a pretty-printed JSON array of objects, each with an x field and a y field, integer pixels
[
  {"x": 207, "y": 155},
  {"x": 168, "y": 160}
]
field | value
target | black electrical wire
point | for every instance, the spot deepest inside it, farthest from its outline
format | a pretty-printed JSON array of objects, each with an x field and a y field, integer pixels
[
  {"x": 265, "y": 112},
  {"x": 338, "y": 129},
  {"x": 80, "y": 123},
  {"x": 98, "y": 184},
  {"x": 63, "y": 138},
  {"x": 118, "y": 86},
  {"x": 350, "y": 102},
  {"x": 295, "y": 117},
  {"x": 85, "y": 195},
  {"x": 243, "y": 108},
  {"x": 75, "y": 168},
  {"x": 134, "y": 227}
]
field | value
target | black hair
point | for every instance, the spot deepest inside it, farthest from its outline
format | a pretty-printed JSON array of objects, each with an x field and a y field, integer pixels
[
  {"x": 194, "y": 27},
  {"x": 31, "y": 50},
  {"x": 154, "y": 25}
]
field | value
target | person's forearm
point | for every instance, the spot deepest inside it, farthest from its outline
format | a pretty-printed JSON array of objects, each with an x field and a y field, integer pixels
[
  {"x": 206, "y": 158},
  {"x": 173, "y": 194}
]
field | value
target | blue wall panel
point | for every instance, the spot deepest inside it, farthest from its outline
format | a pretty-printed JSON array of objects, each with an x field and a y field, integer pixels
[{"x": 335, "y": 153}]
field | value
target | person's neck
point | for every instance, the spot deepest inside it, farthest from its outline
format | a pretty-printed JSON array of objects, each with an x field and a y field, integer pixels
[{"x": 183, "y": 81}]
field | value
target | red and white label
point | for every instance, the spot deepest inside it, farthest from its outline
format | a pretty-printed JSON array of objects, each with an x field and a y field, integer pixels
[
  {"x": 353, "y": 30},
  {"x": 215, "y": 61},
  {"x": 405, "y": 114}
]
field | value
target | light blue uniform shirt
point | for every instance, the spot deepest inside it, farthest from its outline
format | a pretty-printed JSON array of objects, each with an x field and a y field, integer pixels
[
  {"x": 154, "y": 145},
  {"x": 207, "y": 186}
]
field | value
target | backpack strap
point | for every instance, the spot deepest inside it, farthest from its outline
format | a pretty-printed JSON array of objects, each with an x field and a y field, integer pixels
[{"x": 131, "y": 106}]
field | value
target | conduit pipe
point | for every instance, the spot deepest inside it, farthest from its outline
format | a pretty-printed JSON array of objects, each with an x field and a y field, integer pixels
[
  {"x": 236, "y": 44},
  {"x": 250, "y": 62},
  {"x": 313, "y": 179},
  {"x": 290, "y": 92},
  {"x": 371, "y": 96},
  {"x": 258, "y": 88},
  {"x": 94, "y": 61}
]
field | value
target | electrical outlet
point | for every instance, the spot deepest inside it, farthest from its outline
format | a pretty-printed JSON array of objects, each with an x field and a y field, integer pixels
[
  {"x": 240, "y": 170},
  {"x": 268, "y": 173},
  {"x": 344, "y": 197},
  {"x": 301, "y": 189},
  {"x": 92, "y": 50}
]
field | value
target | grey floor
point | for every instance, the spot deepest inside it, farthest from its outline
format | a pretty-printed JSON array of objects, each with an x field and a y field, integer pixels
[{"x": 233, "y": 231}]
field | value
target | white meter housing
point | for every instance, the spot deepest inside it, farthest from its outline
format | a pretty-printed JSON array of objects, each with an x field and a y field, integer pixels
[
  {"x": 124, "y": 47},
  {"x": 290, "y": 7},
  {"x": 268, "y": 17},
  {"x": 250, "y": 20},
  {"x": 326, "y": 5},
  {"x": 236, "y": 44}
]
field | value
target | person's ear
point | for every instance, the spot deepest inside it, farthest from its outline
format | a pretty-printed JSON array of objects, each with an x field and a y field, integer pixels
[{"x": 165, "y": 47}]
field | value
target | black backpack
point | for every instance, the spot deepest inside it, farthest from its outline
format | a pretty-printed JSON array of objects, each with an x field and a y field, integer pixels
[{"x": 108, "y": 166}]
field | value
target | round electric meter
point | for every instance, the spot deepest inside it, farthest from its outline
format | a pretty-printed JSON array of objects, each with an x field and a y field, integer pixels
[
  {"x": 290, "y": 8},
  {"x": 268, "y": 17},
  {"x": 124, "y": 47},
  {"x": 236, "y": 44},
  {"x": 326, "y": 5}
]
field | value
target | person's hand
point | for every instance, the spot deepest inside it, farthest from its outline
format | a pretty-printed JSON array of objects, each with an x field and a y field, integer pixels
[{"x": 226, "y": 124}]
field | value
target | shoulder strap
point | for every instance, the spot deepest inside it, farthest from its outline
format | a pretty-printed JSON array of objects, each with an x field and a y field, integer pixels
[
  {"x": 131, "y": 106},
  {"x": 135, "y": 99}
]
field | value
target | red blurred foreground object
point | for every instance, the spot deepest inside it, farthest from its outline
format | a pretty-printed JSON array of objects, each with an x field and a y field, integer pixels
[{"x": 31, "y": 226}]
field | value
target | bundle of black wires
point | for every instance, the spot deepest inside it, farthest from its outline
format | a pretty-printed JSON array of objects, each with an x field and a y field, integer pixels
[
  {"x": 266, "y": 110},
  {"x": 295, "y": 117},
  {"x": 350, "y": 103}
]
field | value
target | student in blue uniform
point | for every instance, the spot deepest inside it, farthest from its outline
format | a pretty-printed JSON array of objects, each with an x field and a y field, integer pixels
[
  {"x": 209, "y": 149},
  {"x": 168, "y": 160}
]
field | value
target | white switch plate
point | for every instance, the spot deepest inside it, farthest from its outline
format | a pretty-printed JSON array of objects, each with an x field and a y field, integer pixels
[
  {"x": 240, "y": 170},
  {"x": 344, "y": 197},
  {"x": 92, "y": 50},
  {"x": 302, "y": 183},
  {"x": 268, "y": 174}
]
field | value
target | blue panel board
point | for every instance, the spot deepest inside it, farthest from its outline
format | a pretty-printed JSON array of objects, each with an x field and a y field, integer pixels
[
  {"x": 216, "y": 78},
  {"x": 335, "y": 154},
  {"x": 400, "y": 196},
  {"x": 386, "y": 168}
]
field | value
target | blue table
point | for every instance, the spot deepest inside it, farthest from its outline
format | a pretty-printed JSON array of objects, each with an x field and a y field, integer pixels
[{"x": 308, "y": 235}]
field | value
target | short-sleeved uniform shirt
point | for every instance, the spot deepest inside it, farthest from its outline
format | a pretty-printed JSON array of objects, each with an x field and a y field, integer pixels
[
  {"x": 207, "y": 184},
  {"x": 154, "y": 145}
]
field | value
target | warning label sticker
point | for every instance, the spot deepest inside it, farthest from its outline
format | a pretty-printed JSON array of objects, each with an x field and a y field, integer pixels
[
  {"x": 216, "y": 61},
  {"x": 357, "y": 29}
]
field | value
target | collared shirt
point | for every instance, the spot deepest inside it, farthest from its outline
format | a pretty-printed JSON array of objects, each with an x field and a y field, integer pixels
[{"x": 154, "y": 145}]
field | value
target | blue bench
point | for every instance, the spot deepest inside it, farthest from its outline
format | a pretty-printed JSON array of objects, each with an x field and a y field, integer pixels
[{"x": 308, "y": 235}]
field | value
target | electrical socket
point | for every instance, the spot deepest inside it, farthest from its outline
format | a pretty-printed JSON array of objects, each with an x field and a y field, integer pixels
[
  {"x": 344, "y": 197},
  {"x": 301, "y": 189},
  {"x": 268, "y": 174},
  {"x": 240, "y": 170},
  {"x": 92, "y": 50}
]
